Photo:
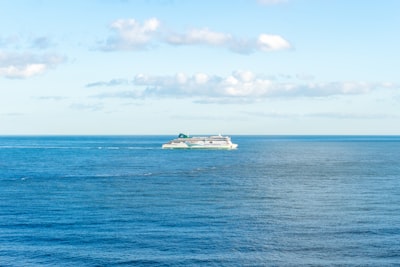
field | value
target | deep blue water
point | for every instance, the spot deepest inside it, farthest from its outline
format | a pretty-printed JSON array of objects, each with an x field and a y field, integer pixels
[{"x": 275, "y": 201}]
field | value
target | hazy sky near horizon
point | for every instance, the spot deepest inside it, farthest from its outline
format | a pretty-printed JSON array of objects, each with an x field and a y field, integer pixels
[{"x": 200, "y": 67}]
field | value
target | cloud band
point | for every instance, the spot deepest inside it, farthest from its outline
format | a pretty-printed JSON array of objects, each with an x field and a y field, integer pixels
[
  {"x": 238, "y": 85},
  {"x": 129, "y": 34}
]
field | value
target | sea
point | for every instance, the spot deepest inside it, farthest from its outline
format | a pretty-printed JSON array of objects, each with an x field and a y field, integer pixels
[{"x": 274, "y": 201}]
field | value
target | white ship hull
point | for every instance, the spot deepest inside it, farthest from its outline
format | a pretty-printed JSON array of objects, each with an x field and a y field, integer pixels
[{"x": 212, "y": 142}]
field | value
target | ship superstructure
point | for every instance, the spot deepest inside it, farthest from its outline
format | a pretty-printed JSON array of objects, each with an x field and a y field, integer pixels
[{"x": 198, "y": 142}]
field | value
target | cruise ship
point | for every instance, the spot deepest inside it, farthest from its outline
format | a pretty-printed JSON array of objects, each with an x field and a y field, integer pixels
[{"x": 210, "y": 142}]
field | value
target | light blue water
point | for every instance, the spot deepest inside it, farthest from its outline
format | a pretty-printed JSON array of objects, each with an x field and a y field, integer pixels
[{"x": 123, "y": 201}]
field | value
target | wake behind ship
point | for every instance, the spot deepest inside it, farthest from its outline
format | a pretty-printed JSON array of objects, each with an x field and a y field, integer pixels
[{"x": 211, "y": 142}]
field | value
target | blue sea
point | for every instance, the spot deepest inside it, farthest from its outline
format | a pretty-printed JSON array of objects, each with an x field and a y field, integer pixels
[{"x": 275, "y": 201}]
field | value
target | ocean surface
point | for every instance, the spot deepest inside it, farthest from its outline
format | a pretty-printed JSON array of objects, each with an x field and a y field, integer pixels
[{"x": 275, "y": 201}]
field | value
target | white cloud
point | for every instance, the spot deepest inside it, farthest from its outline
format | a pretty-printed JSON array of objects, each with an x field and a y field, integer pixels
[
  {"x": 181, "y": 78},
  {"x": 240, "y": 85},
  {"x": 201, "y": 78},
  {"x": 15, "y": 64},
  {"x": 26, "y": 65},
  {"x": 199, "y": 36},
  {"x": 129, "y": 34},
  {"x": 269, "y": 42},
  {"x": 25, "y": 71},
  {"x": 132, "y": 35}
]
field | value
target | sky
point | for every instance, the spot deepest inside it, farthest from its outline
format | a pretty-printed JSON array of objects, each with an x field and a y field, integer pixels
[{"x": 132, "y": 67}]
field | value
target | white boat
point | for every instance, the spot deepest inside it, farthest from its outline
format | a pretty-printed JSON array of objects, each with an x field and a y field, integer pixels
[{"x": 210, "y": 142}]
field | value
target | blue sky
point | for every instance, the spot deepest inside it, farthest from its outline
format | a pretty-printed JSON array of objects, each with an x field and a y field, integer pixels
[{"x": 200, "y": 67}]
